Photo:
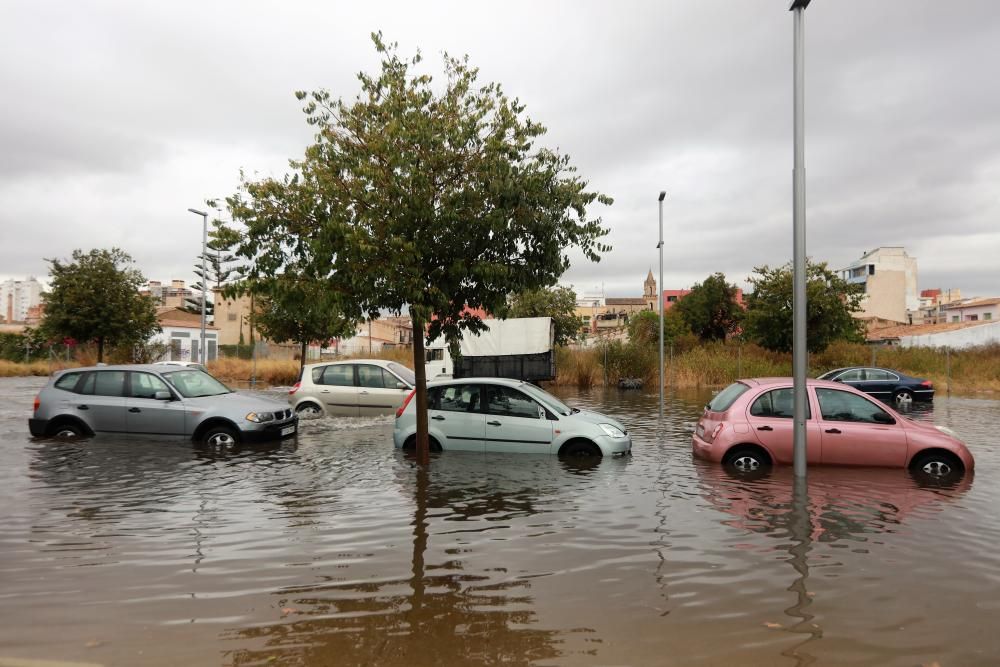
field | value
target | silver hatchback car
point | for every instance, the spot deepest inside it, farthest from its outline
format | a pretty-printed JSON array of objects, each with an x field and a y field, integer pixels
[
  {"x": 500, "y": 415},
  {"x": 355, "y": 388},
  {"x": 156, "y": 400}
]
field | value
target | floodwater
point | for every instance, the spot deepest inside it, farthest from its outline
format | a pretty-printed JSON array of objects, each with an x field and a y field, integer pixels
[{"x": 336, "y": 550}]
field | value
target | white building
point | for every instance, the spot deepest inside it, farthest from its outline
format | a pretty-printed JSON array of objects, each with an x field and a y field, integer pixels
[
  {"x": 974, "y": 310},
  {"x": 889, "y": 277},
  {"x": 182, "y": 335},
  {"x": 17, "y": 296}
]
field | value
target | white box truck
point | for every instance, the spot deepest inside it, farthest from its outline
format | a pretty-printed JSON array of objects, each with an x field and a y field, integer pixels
[{"x": 520, "y": 348}]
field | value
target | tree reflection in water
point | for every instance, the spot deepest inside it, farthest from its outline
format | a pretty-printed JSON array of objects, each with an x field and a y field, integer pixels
[{"x": 439, "y": 615}]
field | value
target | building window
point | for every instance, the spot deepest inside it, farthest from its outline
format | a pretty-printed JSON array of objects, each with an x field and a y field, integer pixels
[
  {"x": 871, "y": 269},
  {"x": 671, "y": 299},
  {"x": 954, "y": 318},
  {"x": 987, "y": 316},
  {"x": 973, "y": 318}
]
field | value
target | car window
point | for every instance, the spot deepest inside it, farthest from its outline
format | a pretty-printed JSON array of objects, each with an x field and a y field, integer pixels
[
  {"x": 727, "y": 397},
  {"x": 373, "y": 376},
  {"x": 776, "y": 403},
  {"x": 880, "y": 375},
  {"x": 856, "y": 375},
  {"x": 454, "y": 398},
  {"x": 338, "y": 375},
  {"x": 403, "y": 372},
  {"x": 195, "y": 384},
  {"x": 104, "y": 383},
  {"x": 510, "y": 402},
  {"x": 68, "y": 381},
  {"x": 842, "y": 406},
  {"x": 145, "y": 385}
]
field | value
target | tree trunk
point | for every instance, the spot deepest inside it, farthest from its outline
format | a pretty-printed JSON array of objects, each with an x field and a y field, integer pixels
[
  {"x": 100, "y": 349},
  {"x": 420, "y": 370},
  {"x": 302, "y": 358}
]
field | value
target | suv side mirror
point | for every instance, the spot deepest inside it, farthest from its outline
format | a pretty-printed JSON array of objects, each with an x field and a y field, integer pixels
[
  {"x": 163, "y": 396},
  {"x": 883, "y": 418},
  {"x": 401, "y": 385}
]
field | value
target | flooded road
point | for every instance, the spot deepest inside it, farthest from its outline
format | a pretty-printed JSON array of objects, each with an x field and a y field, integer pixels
[{"x": 336, "y": 550}]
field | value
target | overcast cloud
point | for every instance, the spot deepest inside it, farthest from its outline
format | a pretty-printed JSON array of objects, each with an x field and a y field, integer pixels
[{"x": 118, "y": 116}]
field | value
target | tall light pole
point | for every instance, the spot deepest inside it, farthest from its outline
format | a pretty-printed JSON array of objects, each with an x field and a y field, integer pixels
[
  {"x": 204, "y": 279},
  {"x": 798, "y": 7},
  {"x": 659, "y": 299}
]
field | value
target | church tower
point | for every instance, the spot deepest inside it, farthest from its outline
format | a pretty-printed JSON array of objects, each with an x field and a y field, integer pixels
[{"x": 649, "y": 290}]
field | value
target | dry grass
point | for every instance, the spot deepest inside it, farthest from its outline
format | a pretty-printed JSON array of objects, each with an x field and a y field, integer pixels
[
  {"x": 713, "y": 364},
  {"x": 37, "y": 368}
]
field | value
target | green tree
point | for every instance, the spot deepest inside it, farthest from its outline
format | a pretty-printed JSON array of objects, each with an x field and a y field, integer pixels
[
  {"x": 830, "y": 302},
  {"x": 301, "y": 310},
  {"x": 710, "y": 309},
  {"x": 95, "y": 297},
  {"x": 557, "y": 302},
  {"x": 221, "y": 266},
  {"x": 426, "y": 196},
  {"x": 643, "y": 327}
]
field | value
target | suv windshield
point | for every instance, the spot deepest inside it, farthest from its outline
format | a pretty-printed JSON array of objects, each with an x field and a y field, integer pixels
[
  {"x": 727, "y": 397},
  {"x": 193, "y": 384}
]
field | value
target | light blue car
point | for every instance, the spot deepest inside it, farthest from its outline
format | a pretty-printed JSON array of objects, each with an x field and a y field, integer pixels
[{"x": 500, "y": 415}]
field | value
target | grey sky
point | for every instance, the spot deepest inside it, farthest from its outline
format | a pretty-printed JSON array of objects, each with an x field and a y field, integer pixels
[{"x": 118, "y": 116}]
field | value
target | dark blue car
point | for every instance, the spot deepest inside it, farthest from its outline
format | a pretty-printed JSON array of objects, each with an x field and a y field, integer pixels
[{"x": 887, "y": 385}]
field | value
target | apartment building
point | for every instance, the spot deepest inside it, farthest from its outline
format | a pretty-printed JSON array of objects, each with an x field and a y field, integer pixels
[
  {"x": 19, "y": 299},
  {"x": 889, "y": 277}
]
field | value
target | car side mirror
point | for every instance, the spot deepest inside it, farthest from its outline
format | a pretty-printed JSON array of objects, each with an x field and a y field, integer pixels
[
  {"x": 163, "y": 396},
  {"x": 401, "y": 385},
  {"x": 883, "y": 418}
]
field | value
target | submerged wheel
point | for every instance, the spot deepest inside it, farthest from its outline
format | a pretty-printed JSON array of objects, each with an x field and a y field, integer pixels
[
  {"x": 308, "y": 410},
  {"x": 748, "y": 460},
  {"x": 903, "y": 397},
  {"x": 220, "y": 436},
  {"x": 410, "y": 444},
  {"x": 582, "y": 448},
  {"x": 938, "y": 465},
  {"x": 68, "y": 431}
]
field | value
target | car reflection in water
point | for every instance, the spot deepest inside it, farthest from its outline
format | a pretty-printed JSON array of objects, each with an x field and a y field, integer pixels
[
  {"x": 442, "y": 611},
  {"x": 829, "y": 505}
]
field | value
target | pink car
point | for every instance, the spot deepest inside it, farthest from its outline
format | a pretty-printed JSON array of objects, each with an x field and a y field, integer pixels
[{"x": 749, "y": 425}]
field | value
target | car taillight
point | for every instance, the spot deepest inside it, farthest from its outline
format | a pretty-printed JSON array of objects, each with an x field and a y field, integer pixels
[
  {"x": 716, "y": 431},
  {"x": 399, "y": 412},
  {"x": 927, "y": 383},
  {"x": 38, "y": 403},
  {"x": 295, "y": 388}
]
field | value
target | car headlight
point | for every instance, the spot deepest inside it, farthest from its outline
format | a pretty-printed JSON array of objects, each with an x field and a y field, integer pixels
[
  {"x": 612, "y": 430},
  {"x": 259, "y": 418}
]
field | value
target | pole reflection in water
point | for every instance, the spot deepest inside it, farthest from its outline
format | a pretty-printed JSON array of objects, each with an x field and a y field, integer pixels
[{"x": 801, "y": 529}]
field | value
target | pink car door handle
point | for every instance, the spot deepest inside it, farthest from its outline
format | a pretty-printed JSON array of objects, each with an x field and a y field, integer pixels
[
  {"x": 833, "y": 430},
  {"x": 764, "y": 428}
]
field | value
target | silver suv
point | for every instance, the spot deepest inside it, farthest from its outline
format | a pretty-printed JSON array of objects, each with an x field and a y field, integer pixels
[
  {"x": 155, "y": 400},
  {"x": 356, "y": 388}
]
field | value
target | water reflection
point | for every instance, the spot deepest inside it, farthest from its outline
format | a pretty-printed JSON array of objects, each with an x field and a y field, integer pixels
[{"x": 441, "y": 612}]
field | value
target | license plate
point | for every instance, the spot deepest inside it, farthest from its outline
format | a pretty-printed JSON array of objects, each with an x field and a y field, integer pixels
[{"x": 288, "y": 430}]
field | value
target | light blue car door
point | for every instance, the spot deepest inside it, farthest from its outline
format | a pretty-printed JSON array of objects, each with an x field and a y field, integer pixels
[
  {"x": 515, "y": 422},
  {"x": 455, "y": 418}
]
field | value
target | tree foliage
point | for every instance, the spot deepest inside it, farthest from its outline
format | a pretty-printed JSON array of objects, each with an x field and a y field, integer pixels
[
  {"x": 429, "y": 196},
  {"x": 220, "y": 262},
  {"x": 830, "y": 302},
  {"x": 557, "y": 302},
  {"x": 710, "y": 309},
  {"x": 292, "y": 308},
  {"x": 643, "y": 328},
  {"x": 95, "y": 297}
]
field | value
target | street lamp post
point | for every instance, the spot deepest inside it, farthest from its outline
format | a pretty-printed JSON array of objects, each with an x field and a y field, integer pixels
[
  {"x": 659, "y": 299},
  {"x": 204, "y": 279},
  {"x": 798, "y": 7}
]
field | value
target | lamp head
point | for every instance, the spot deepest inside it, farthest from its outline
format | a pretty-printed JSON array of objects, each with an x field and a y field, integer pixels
[
  {"x": 798, "y": 4},
  {"x": 197, "y": 212},
  {"x": 663, "y": 193}
]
